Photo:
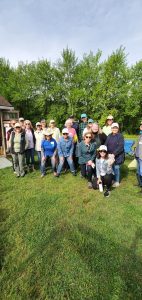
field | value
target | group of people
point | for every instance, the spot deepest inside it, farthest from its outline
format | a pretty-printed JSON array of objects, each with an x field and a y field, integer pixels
[{"x": 99, "y": 152}]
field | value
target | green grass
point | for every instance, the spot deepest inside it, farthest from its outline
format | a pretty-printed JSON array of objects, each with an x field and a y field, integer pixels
[{"x": 60, "y": 240}]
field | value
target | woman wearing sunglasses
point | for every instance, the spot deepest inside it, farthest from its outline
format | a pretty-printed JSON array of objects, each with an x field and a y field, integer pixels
[
  {"x": 31, "y": 145},
  {"x": 86, "y": 155},
  {"x": 104, "y": 169}
]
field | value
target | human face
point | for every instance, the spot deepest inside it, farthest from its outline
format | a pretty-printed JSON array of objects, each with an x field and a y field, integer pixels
[
  {"x": 109, "y": 122},
  {"x": 17, "y": 129},
  {"x": 13, "y": 123},
  {"x": 52, "y": 124},
  {"x": 48, "y": 137},
  {"x": 114, "y": 130},
  {"x": 65, "y": 135},
  {"x": 84, "y": 120},
  {"x": 87, "y": 138},
  {"x": 90, "y": 124},
  {"x": 102, "y": 153},
  {"x": 28, "y": 125},
  {"x": 38, "y": 127},
  {"x": 43, "y": 124}
]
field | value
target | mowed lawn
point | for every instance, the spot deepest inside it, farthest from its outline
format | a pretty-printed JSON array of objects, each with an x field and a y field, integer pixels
[{"x": 60, "y": 240}]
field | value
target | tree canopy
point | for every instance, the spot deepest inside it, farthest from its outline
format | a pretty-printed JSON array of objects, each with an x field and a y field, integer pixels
[{"x": 72, "y": 86}]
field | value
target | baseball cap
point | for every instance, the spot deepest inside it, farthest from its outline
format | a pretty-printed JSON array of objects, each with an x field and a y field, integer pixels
[
  {"x": 83, "y": 116},
  {"x": 21, "y": 119},
  {"x": 52, "y": 121},
  {"x": 115, "y": 125},
  {"x": 65, "y": 130},
  {"x": 110, "y": 117},
  {"x": 90, "y": 121},
  {"x": 103, "y": 147},
  {"x": 38, "y": 124},
  {"x": 17, "y": 125}
]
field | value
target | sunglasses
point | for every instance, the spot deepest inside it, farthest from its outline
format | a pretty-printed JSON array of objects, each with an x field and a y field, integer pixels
[
  {"x": 88, "y": 137},
  {"x": 18, "y": 127},
  {"x": 65, "y": 133},
  {"x": 103, "y": 151}
]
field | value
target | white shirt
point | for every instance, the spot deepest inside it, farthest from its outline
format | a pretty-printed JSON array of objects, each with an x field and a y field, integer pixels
[
  {"x": 39, "y": 137},
  {"x": 101, "y": 167}
]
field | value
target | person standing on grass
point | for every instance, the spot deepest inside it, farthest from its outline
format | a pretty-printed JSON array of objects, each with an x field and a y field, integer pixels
[
  {"x": 108, "y": 123},
  {"x": 38, "y": 139},
  {"x": 82, "y": 126},
  {"x": 31, "y": 146},
  {"x": 138, "y": 155},
  {"x": 86, "y": 156},
  {"x": 65, "y": 152},
  {"x": 56, "y": 131},
  {"x": 18, "y": 145},
  {"x": 104, "y": 169},
  {"x": 48, "y": 151},
  {"x": 115, "y": 145}
]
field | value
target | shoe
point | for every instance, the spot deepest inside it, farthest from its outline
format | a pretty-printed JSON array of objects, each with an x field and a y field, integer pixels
[
  {"x": 74, "y": 173},
  {"x": 57, "y": 175},
  {"x": 90, "y": 185},
  {"x": 23, "y": 174},
  {"x": 116, "y": 184},
  {"x": 107, "y": 193},
  {"x": 17, "y": 176},
  {"x": 42, "y": 175}
]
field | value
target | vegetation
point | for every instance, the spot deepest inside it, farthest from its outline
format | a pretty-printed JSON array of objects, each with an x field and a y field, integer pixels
[
  {"x": 41, "y": 89},
  {"x": 60, "y": 240}
]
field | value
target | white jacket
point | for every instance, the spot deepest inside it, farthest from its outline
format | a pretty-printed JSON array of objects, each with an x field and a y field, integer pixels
[{"x": 39, "y": 138}]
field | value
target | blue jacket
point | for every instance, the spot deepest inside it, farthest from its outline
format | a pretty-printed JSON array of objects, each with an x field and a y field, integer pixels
[
  {"x": 115, "y": 145},
  {"x": 65, "y": 147},
  {"x": 48, "y": 147}
]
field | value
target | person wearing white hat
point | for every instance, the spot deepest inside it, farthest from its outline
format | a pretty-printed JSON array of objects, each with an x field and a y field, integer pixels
[
  {"x": 108, "y": 123},
  {"x": 115, "y": 145},
  {"x": 48, "y": 151},
  {"x": 104, "y": 169},
  {"x": 65, "y": 152},
  {"x": 56, "y": 131},
  {"x": 22, "y": 122},
  {"x": 18, "y": 145},
  {"x": 38, "y": 139}
]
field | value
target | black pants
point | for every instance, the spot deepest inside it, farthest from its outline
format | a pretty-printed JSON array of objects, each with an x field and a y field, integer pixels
[
  {"x": 107, "y": 180},
  {"x": 87, "y": 171}
]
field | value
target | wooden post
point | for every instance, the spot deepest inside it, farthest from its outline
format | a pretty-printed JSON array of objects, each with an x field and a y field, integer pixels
[{"x": 3, "y": 137}]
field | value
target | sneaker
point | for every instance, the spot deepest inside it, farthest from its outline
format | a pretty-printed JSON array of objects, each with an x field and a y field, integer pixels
[
  {"x": 74, "y": 173},
  {"x": 18, "y": 175},
  {"x": 90, "y": 185},
  {"x": 116, "y": 184},
  {"x": 107, "y": 193},
  {"x": 57, "y": 175},
  {"x": 23, "y": 174},
  {"x": 42, "y": 175}
]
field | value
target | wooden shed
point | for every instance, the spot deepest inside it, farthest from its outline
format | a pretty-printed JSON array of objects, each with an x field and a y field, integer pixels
[{"x": 7, "y": 113}]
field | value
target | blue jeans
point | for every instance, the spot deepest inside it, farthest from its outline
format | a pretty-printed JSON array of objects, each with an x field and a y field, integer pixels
[
  {"x": 39, "y": 156},
  {"x": 139, "y": 166},
  {"x": 61, "y": 163},
  {"x": 53, "y": 163},
  {"x": 30, "y": 156},
  {"x": 116, "y": 169}
]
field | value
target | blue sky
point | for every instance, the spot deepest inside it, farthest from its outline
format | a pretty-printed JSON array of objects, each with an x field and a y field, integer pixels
[{"x": 34, "y": 29}]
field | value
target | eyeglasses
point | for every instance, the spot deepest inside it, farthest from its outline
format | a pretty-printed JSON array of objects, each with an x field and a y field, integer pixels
[
  {"x": 103, "y": 151},
  {"x": 17, "y": 127},
  {"x": 88, "y": 137},
  {"x": 65, "y": 133}
]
